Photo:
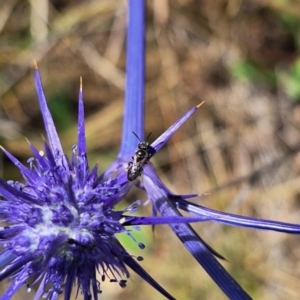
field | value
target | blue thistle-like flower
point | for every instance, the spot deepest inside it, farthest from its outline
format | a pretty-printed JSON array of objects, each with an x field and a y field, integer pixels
[
  {"x": 62, "y": 222},
  {"x": 61, "y": 225}
]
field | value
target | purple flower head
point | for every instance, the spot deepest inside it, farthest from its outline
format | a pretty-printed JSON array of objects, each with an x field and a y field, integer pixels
[
  {"x": 60, "y": 227},
  {"x": 61, "y": 222}
]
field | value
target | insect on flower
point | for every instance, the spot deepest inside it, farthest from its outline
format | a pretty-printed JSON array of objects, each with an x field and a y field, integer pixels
[
  {"x": 140, "y": 158},
  {"x": 133, "y": 171}
]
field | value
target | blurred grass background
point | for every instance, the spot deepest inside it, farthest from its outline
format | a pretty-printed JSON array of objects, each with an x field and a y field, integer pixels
[{"x": 242, "y": 146}]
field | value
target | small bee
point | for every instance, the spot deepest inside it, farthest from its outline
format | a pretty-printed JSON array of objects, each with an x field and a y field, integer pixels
[
  {"x": 140, "y": 158},
  {"x": 133, "y": 171}
]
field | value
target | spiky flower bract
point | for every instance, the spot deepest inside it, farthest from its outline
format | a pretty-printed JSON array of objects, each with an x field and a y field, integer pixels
[
  {"x": 163, "y": 200},
  {"x": 60, "y": 224}
]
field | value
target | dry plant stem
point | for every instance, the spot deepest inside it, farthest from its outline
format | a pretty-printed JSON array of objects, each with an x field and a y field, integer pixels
[
  {"x": 39, "y": 20},
  {"x": 116, "y": 39},
  {"x": 102, "y": 65}
]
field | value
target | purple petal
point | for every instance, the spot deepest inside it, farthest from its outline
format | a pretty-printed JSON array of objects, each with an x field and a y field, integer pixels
[
  {"x": 49, "y": 155},
  {"x": 236, "y": 220},
  {"x": 6, "y": 257},
  {"x": 95, "y": 288},
  {"x": 9, "y": 192},
  {"x": 204, "y": 254},
  {"x": 209, "y": 263},
  {"x": 123, "y": 182},
  {"x": 54, "y": 296},
  {"x": 131, "y": 263},
  {"x": 159, "y": 142},
  {"x": 14, "y": 160},
  {"x": 27, "y": 173},
  {"x": 43, "y": 163},
  {"x": 41, "y": 288},
  {"x": 135, "y": 77},
  {"x": 70, "y": 282},
  {"x": 9, "y": 232},
  {"x": 81, "y": 127},
  {"x": 48, "y": 121},
  {"x": 15, "y": 286},
  {"x": 156, "y": 188},
  {"x": 16, "y": 265},
  {"x": 162, "y": 220}
]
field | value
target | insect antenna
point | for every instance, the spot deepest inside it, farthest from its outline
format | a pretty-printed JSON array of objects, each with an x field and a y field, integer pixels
[
  {"x": 136, "y": 136},
  {"x": 148, "y": 136}
]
